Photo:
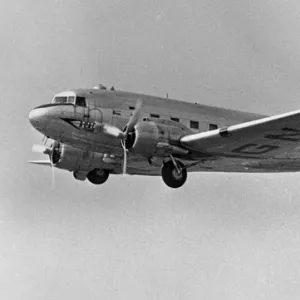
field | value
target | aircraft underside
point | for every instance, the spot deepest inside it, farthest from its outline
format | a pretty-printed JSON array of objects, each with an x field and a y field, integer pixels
[{"x": 96, "y": 166}]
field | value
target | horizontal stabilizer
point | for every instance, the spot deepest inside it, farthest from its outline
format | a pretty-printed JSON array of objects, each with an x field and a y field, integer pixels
[{"x": 41, "y": 162}]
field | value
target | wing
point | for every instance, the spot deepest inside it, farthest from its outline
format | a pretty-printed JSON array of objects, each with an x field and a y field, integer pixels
[{"x": 267, "y": 138}]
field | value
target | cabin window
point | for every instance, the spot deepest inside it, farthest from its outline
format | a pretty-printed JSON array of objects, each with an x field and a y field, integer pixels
[
  {"x": 194, "y": 124},
  {"x": 115, "y": 112},
  {"x": 154, "y": 116},
  {"x": 175, "y": 119},
  {"x": 213, "y": 126},
  {"x": 80, "y": 101}
]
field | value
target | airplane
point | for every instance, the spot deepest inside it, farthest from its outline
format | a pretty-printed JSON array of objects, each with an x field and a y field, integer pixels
[{"x": 101, "y": 131}]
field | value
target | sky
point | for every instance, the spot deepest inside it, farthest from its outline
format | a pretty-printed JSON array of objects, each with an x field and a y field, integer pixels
[{"x": 221, "y": 236}]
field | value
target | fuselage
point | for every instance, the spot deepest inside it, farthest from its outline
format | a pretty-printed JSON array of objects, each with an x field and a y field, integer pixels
[
  {"x": 74, "y": 124},
  {"x": 76, "y": 118}
]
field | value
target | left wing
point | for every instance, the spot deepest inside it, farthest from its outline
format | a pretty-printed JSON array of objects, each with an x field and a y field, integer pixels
[{"x": 270, "y": 137}]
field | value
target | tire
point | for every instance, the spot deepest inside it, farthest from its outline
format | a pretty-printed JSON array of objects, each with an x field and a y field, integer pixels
[
  {"x": 98, "y": 176},
  {"x": 170, "y": 176}
]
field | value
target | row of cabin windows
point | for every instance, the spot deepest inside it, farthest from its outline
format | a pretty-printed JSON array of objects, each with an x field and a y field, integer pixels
[
  {"x": 193, "y": 124},
  {"x": 80, "y": 101}
]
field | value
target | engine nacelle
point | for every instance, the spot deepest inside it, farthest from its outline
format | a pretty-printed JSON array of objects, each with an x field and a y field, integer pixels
[
  {"x": 74, "y": 159},
  {"x": 147, "y": 136}
]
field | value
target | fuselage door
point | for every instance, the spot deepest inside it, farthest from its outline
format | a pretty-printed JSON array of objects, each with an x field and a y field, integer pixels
[
  {"x": 95, "y": 115},
  {"x": 91, "y": 117}
]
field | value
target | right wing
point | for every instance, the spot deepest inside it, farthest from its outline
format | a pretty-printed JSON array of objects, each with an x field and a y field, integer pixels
[{"x": 270, "y": 137}]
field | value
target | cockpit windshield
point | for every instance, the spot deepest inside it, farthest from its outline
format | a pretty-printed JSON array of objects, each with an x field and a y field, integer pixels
[
  {"x": 64, "y": 99},
  {"x": 69, "y": 97}
]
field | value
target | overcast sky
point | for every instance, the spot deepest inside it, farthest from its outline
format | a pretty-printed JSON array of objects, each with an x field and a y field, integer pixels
[{"x": 219, "y": 237}]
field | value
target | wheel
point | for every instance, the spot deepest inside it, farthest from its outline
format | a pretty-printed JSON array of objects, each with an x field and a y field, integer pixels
[
  {"x": 171, "y": 177},
  {"x": 98, "y": 176},
  {"x": 79, "y": 175}
]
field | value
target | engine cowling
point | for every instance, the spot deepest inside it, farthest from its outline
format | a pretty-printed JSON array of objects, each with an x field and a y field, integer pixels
[
  {"x": 147, "y": 135},
  {"x": 74, "y": 159}
]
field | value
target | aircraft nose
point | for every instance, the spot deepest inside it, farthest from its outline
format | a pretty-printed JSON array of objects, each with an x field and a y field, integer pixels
[{"x": 36, "y": 117}]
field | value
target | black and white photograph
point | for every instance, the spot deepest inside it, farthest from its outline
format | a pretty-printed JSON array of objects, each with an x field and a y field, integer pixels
[{"x": 150, "y": 149}]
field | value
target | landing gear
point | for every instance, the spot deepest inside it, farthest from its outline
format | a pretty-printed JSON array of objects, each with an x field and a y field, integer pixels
[
  {"x": 98, "y": 176},
  {"x": 79, "y": 175},
  {"x": 174, "y": 174}
]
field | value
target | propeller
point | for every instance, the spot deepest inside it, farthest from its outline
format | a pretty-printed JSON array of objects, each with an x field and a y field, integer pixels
[
  {"x": 134, "y": 118},
  {"x": 41, "y": 149},
  {"x": 125, "y": 135},
  {"x": 113, "y": 131},
  {"x": 52, "y": 152}
]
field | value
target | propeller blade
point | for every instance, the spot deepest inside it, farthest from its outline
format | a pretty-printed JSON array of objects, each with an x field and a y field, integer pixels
[
  {"x": 41, "y": 149},
  {"x": 41, "y": 162},
  {"x": 124, "y": 160},
  {"x": 53, "y": 176},
  {"x": 113, "y": 131},
  {"x": 134, "y": 118}
]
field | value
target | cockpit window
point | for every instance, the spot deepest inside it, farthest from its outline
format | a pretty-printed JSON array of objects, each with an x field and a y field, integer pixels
[
  {"x": 80, "y": 101},
  {"x": 60, "y": 99},
  {"x": 71, "y": 99},
  {"x": 64, "y": 99}
]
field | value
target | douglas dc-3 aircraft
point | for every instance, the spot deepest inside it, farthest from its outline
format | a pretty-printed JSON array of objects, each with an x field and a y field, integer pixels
[{"x": 101, "y": 131}]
